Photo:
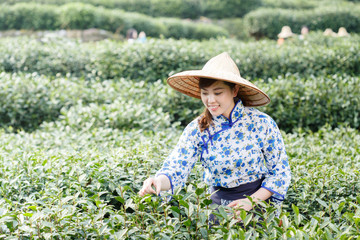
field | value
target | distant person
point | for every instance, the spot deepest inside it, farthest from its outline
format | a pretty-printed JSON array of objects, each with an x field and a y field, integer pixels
[
  {"x": 304, "y": 31},
  {"x": 342, "y": 32},
  {"x": 131, "y": 35},
  {"x": 284, "y": 34},
  {"x": 142, "y": 37},
  {"x": 329, "y": 32}
]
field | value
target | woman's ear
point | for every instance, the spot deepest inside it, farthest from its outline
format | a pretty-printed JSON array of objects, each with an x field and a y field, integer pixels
[{"x": 236, "y": 90}]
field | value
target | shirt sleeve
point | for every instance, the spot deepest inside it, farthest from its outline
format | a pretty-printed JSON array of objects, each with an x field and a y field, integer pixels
[
  {"x": 279, "y": 174},
  {"x": 183, "y": 157}
]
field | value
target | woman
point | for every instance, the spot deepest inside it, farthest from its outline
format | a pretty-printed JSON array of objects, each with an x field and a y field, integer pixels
[{"x": 240, "y": 148}]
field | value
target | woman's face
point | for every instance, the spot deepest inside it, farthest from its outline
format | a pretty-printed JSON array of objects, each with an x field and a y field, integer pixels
[{"x": 219, "y": 98}]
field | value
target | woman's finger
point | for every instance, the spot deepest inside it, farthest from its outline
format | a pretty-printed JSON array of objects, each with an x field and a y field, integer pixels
[
  {"x": 147, "y": 187},
  {"x": 233, "y": 204},
  {"x": 151, "y": 190},
  {"x": 146, "y": 190},
  {"x": 157, "y": 188}
]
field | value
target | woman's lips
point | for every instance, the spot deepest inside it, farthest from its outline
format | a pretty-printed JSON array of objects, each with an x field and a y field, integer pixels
[{"x": 213, "y": 108}]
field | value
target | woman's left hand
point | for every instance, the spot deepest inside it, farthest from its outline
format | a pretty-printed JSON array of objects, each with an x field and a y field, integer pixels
[
  {"x": 241, "y": 204},
  {"x": 260, "y": 195}
]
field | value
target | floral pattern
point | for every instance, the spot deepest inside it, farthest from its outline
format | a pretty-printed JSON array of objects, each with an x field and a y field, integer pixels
[{"x": 233, "y": 151}]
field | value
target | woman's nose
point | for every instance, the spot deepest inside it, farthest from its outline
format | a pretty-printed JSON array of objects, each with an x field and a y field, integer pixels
[{"x": 211, "y": 98}]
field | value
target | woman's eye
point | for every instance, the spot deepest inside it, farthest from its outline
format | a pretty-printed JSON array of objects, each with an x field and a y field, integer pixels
[
  {"x": 218, "y": 93},
  {"x": 205, "y": 94}
]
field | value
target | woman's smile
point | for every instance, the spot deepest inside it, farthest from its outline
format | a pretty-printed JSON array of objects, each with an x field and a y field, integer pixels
[{"x": 213, "y": 108}]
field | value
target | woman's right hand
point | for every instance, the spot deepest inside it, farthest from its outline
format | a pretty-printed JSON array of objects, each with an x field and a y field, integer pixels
[{"x": 147, "y": 186}]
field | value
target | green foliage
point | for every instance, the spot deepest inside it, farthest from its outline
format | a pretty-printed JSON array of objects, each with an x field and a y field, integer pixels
[
  {"x": 28, "y": 16},
  {"x": 84, "y": 16},
  {"x": 25, "y": 104},
  {"x": 123, "y": 105},
  {"x": 290, "y": 4},
  {"x": 328, "y": 162},
  {"x": 47, "y": 57},
  {"x": 236, "y": 28},
  {"x": 63, "y": 183},
  {"x": 297, "y": 102},
  {"x": 81, "y": 16},
  {"x": 310, "y": 102},
  {"x": 169, "y": 8},
  {"x": 260, "y": 59},
  {"x": 28, "y": 100},
  {"x": 156, "y": 59},
  {"x": 100, "y": 122},
  {"x": 267, "y": 22},
  {"x": 186, "y": 29},
  {"x": 229, "y": 8}
]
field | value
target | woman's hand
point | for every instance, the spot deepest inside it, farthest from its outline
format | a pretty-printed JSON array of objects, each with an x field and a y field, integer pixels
[
  {"x": 161, "y": 183},
  {"x": 241, "y": 204},
  {"x": 147, "y": 186},
  {"x": 260, "y": 195}
]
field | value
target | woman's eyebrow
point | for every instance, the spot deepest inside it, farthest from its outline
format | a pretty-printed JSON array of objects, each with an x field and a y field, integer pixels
[{"x": 218, "y": 88}]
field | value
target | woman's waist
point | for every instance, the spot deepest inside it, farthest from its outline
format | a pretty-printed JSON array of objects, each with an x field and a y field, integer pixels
[
  {"x": 222, "y": 193},
  {"x": 241, "y": 184}
]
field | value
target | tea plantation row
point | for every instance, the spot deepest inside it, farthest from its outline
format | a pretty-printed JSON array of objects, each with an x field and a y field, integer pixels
[
  {"x": 84, "y": 16},
  {"x": 98, "y": 122},
  {"x": 266, "y": 21},
  {"x": 156, "y": 59},
  {"x": 169, "y": 8},
  {"x": 59, "y": 182},
  {"x": 28, "y": 100}
]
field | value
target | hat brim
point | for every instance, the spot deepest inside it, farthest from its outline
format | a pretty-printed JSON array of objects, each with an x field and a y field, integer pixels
[{"x": 188, "y": 83}]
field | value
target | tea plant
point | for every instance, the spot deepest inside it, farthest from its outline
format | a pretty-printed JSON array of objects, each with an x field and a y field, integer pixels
[
  {"x": 157, "y": 58},
  {"x": 59, "y": 182}
]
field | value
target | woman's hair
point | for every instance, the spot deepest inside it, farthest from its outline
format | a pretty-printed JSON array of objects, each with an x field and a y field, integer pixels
[{"x": 206, "y": 117}]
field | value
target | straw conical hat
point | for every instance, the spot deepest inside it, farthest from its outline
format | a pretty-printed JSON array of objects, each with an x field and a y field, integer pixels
[
  {"x": 329, "y": 32},
  {"x": 285, "y": 32},
  {"x": 342, "y": 32},
  {"x": 220, "y": 67}
]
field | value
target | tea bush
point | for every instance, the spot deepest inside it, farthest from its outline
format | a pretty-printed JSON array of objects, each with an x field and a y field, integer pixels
[
  {"x": 28, "y": 16},
  {"x": 58, "y": 182},
  {"x": 123, "y": 114},
  {"x": 329, "y": 172},
  {"x": 77, "y": 142},
  {"x": 156, "y": 59},
  {"x": 229, "y": 8},
  {"x": 296, "y": 103},
  {"x": 84, "y": 16},
  {"x": 169, "y": 8},
  {"x": 311, "y": 102},
  {"x": 28, "y": 100},
  {"x": 267, "y": 22},
  {"x": 45, "y": 57},
  {"x": 236, "y": 28},
  {"x": 290, "y": 4}
]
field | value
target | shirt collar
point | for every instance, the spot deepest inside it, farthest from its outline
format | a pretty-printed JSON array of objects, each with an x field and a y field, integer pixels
[{"x": 235, "y": 114}]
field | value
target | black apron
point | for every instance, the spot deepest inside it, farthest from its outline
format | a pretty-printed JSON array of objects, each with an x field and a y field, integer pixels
[{"x": 224, "y": 196}]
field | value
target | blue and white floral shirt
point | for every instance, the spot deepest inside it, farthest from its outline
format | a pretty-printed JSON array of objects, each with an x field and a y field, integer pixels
[{"x": 234, "y": 151}]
